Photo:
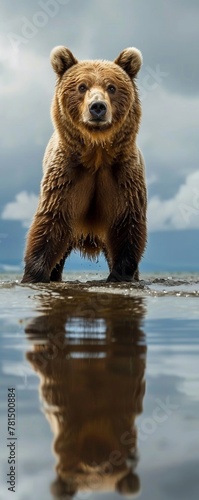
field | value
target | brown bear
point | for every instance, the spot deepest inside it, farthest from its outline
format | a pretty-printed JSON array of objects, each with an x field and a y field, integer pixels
[{"x": 93, "y": 194}]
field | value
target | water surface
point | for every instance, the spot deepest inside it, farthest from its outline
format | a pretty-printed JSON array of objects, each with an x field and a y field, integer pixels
[{"x": 106, "y": 380}]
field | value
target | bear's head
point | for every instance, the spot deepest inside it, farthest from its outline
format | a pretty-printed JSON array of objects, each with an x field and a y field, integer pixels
[{"x": 96, "y": 97}]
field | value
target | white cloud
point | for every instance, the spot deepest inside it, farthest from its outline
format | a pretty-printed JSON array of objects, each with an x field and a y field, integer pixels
[
  {"x": 21, "y": 209},
  {"x": 179, "y": 212},
  {"x": 21, "y": 69},
  {"x": 152, "y": 179},
  {"x": 168, "y": 133},
  {"x": 26, "y": 88}
]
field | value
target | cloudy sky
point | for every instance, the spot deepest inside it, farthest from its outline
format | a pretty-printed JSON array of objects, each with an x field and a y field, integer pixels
[{"x": 167, "y": 34}]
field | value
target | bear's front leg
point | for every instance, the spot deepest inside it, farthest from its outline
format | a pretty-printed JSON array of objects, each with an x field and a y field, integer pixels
[
  {"x": 47, "y": 243},
  {"x": 126, "y": 244},
  {"x": 56, "y": 273}
]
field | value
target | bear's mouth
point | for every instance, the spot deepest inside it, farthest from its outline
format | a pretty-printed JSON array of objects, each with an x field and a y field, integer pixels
[
  {"x": 98, "y": 123},
  {"x": 97, "y": 120}
]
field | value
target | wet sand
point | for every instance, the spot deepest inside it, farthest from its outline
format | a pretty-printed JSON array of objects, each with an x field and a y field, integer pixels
[{"x": 107, "y": 391}]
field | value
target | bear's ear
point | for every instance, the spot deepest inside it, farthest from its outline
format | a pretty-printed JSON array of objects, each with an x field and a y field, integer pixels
[
  {"x": 130, "y": 60},
  {"x": 62, "y": 59}
]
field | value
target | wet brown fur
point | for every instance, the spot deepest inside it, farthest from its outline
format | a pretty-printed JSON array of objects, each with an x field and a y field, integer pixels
[{"x": 93, "y": 194}]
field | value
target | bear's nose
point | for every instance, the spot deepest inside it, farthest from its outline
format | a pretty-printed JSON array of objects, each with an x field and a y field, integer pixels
[{"x": 98, "y": 109}]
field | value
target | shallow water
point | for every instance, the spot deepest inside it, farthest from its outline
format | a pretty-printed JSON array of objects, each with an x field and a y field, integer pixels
[{"x": 107, "y": 387}]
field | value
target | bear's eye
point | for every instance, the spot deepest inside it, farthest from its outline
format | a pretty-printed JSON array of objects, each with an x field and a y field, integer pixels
[
  {"x": 82, "y": 88},
  {"x": 111, "y": 89}
]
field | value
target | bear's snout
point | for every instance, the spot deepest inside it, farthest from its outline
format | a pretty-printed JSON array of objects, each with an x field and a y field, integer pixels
[{"x": 98, "y": 109}]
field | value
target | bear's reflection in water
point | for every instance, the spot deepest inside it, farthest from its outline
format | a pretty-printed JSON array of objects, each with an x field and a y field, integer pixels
[{"x": 89, "y": 352}]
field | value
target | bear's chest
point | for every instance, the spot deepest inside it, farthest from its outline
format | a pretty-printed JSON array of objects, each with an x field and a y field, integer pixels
[
  {"x": 96, "y": 158},
  {"x": 101, "y": 196},
  {"x": 93, "y": 197}
]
